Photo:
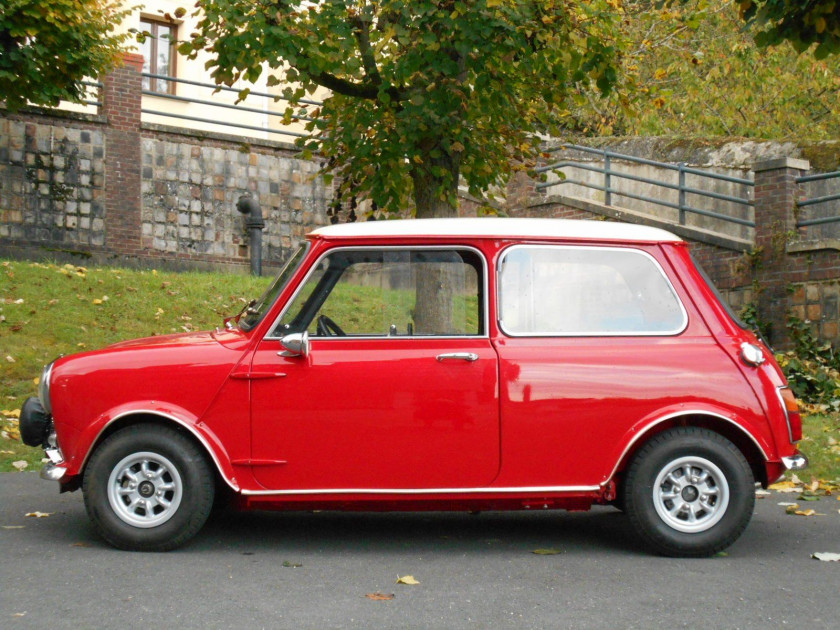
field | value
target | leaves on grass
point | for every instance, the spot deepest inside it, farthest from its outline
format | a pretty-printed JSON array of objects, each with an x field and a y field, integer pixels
[
  {"x": 20, "y": 465},
  {"x": 380, "y": 596},
  {"x": 39, "y": 514},
  {"x": 407, "y": 579},
  {"x": 548, "y": 552},
  {"x": 826, "y": 556},
  {"x": 9, "y": 358}
]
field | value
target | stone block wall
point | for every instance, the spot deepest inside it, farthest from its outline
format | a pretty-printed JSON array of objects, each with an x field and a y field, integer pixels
[
  {"x": 190, "y": 189},
  {"x": 52, "y": 182}
]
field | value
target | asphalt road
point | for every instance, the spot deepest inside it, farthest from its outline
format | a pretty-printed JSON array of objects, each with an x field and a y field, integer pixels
[{"x": 474, "y": 571}]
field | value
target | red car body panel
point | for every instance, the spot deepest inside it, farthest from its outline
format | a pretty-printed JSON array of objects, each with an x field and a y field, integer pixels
[{"x": 382, "y": 424}]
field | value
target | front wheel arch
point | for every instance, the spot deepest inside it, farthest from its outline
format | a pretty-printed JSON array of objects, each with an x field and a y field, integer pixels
[{"x": 158, "y": 419}]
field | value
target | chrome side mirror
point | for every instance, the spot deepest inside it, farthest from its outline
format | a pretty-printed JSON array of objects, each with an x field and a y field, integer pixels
[{"x": 296, "y": 345}]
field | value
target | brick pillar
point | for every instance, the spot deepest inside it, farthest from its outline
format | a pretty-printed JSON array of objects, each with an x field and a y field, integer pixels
[
  {"x": 776, "y": 193},
  {"x": 121, "y": 107}
]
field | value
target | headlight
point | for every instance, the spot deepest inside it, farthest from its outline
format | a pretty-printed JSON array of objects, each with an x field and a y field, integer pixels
[{"x": 44, "y": 388}]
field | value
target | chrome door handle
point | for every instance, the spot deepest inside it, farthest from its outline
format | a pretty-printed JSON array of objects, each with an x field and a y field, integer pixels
[{"x": 463, "y": 356}]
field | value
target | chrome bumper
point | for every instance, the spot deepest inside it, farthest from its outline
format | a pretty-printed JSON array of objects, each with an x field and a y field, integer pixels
[
  {"x": 53, "y": 472},
  {"x": 795, "y": 462}
]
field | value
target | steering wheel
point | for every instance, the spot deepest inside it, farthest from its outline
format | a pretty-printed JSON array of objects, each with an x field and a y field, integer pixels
[{"x": 328, "y": 328}]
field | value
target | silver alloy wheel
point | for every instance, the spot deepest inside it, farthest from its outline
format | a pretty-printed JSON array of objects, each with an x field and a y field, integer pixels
[
  {"x": 145, "y": 489},
  {"x": 690, "y": 494}
]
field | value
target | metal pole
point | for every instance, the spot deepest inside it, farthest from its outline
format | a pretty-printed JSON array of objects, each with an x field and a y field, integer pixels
[
  {"x": 256, "y": 224},
  {"x": 681, "y": 202},
  {"x": 607, "y": 180}
]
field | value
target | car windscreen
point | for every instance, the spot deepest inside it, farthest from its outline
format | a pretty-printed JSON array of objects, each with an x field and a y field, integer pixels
[{"x": 258, "y": 310}]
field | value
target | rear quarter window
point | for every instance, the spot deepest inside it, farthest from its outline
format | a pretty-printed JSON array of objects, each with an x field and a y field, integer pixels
[{"x": 575, "y": 291}]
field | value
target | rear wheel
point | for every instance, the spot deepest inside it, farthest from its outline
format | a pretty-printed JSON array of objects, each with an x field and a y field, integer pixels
[
  {"x": 689, "y": 492},
  {"x": 148, "y": 488}
]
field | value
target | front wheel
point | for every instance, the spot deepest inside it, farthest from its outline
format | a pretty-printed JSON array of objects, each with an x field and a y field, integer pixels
[
  {"x": 148, "y": 488},
  {"x": 689, "y": 492}
]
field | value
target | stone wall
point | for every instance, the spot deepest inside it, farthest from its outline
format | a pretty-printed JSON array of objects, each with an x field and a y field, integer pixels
[
  {"x": 52, "y": 180},
  {"x": 112, "y": 188},
  {"x": 190, "y": 189}
]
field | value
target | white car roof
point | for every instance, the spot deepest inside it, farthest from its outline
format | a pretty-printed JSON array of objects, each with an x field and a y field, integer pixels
[{"x": 499, "y": 227}]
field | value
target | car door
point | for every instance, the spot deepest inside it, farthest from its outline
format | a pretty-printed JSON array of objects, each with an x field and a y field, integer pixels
[{"x": 398, "y": 387}]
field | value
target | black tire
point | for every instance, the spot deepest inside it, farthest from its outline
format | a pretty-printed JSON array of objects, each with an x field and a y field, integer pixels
[
  {"x": 709, "y": 480},
  {"x": 148, "y": 488}
]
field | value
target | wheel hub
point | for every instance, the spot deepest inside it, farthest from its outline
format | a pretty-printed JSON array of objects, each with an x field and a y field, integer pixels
[
  {"x": 691, "y": 494},
  {"x": 145, "y": 489}
]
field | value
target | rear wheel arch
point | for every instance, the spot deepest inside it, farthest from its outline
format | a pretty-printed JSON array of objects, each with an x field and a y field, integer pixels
[{"x": 736, "y": 434}]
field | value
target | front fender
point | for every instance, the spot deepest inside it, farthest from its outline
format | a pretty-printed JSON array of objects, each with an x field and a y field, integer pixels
[{"x": 168, "y": 413}]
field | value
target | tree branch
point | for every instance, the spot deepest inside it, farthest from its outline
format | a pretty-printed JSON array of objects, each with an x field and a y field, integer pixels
[{"x": 361, "y": 28}]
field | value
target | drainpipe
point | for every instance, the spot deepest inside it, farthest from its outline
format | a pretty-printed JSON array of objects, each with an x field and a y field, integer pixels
[{"x": 255, "y": 223}]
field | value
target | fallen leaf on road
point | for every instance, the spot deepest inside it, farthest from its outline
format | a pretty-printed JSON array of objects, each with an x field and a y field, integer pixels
[
  {"x": 786, "y": 504},
  {"x": 760, "y": 494},
  {"x": 23, "y": 614},
  {"x": 786, "y": 486},
  {"x": 547, "y": 552},
  {"x": 39, "y": 514},
  {"x": 11, "y": 526},
  {"x": 826, "y": 557},
  {"x": 380, "y": 596},
  {"x": 80, "y": 544},
  {"x": 20, "y": 465},
  {"x": 407, "y": 579},
  {"x": 293, "y": 565}
]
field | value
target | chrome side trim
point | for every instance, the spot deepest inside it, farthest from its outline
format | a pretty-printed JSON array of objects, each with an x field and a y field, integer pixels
[
  {"x": 632, "y": 333},
  {"x": 333, "y": 250},
  {"x": 423, "y": 491},
  {"x": 677, "y": 414},
  {"x": 176, "y": 420}
]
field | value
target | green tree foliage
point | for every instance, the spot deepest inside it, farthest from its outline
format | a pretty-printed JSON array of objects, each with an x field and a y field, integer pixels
[
  {"x": 800, "y": 22},
  {"x": 423, "y": 91},
  {"x": 48, "y": 48},
  {"x": 700, "y": 74}
]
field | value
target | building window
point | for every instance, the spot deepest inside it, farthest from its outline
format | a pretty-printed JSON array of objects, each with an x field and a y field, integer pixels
[{"x": 159, "y": 54}]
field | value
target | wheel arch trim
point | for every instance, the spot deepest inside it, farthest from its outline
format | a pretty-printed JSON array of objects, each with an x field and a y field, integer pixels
[
  {"x": 671, "y": 416},
  {"x": 193, "y": 431}
]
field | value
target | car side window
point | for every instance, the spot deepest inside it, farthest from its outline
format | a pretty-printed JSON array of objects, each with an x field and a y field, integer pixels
[
  {"x": 390, "y": 292},
  {"x": 567, "y": 290}
]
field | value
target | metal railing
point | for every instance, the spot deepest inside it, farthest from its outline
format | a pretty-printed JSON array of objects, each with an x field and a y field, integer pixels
[
  {"x": 98, "y": 93},
  {"x": 682, "y": 189},
  {"x": 222, "y": 105},
  {"x": 804, "y": 203}
]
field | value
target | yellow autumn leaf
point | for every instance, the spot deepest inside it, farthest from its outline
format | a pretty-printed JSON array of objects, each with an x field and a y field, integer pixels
[
  {"x": 97, "y": 301},
  {"x": 547, "y": 552},
  {"x": 407, "y": 579},
  {"x": 39, "y": 514},
  {"x": 805, "y": 512},
  {"x": 36, "y": 380},
  {"x": 11, "y": 413}
]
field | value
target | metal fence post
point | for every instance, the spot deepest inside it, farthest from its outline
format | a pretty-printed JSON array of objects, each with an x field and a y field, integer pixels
[
  {"x": 681, "y": 203},
  {"x": 607, "y": 180}
]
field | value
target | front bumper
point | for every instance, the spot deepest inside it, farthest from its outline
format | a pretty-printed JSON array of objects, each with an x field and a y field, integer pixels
[{"x": 53, "y": 472}]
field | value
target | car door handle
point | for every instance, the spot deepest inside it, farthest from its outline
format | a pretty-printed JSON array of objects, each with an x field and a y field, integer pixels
[{"x": 463, "y": 356}]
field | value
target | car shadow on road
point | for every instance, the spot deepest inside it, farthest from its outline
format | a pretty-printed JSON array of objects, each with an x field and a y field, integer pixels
[{"x": 604, "y": 528}]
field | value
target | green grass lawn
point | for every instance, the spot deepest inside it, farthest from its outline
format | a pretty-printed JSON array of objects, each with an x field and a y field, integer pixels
[{"x": 47, "y": 310}]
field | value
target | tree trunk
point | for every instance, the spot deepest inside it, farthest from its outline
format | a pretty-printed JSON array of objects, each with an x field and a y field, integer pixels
[{"x": 435, "y": 284}]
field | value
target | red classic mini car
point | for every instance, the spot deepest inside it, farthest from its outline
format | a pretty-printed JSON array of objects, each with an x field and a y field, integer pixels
[{"x": 440, "y": 364}]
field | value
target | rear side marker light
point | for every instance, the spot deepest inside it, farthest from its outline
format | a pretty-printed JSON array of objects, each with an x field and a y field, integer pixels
[
  {"x": 752, "y": 355},
  {"x": 791, "y": 407}
]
